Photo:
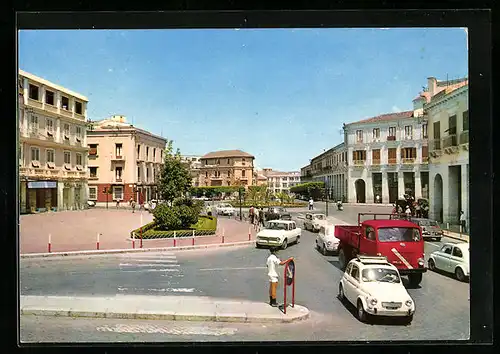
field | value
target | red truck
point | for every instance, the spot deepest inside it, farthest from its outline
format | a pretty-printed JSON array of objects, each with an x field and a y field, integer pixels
[{"x": 400, "y": 241}]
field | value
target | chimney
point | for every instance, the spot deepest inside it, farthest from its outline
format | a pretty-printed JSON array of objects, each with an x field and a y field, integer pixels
[{"x": 431, "y": 85}]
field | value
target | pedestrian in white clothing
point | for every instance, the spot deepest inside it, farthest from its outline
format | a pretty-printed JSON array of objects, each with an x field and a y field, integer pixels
[
  {"x": 462, "y": 221},
  {"x": 311, "y": 204},
  {"x": 272, "y": 264}
]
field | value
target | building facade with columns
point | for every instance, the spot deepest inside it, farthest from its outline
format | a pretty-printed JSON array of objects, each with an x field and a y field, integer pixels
[
  {"x": 330, "y": 167},
  {"x": 448, "y": 114},
  {"x": 124, "y": 161},
  {"x": 227, "y": 168},
  {"x": 387, "y": 156},
  {"x": 52, "y": 146}
]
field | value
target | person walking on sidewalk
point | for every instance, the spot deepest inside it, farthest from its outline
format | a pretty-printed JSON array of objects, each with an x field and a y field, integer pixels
[
  {"x": 262, "y": 217},
  {"x": 272, "y": 263},
  {"x": 251, "y": 213},
  {"x": 462, "y": 221},
  {"x": 311, "y": 203},
  {"x": 132, "y": 204}
]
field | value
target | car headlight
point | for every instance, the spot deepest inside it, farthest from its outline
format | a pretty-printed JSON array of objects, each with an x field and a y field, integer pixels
[
  {"x": 372, "y": 301},
  {"x": 421, "y": 262},
  {"x": 408, "y": 303},
  {"x": 329, "y": 243}
]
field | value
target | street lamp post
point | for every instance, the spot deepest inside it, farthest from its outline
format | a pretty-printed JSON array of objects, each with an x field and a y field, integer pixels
[
  {"x": 239, "y": 195},
  {"x": 326, "y": 201}
]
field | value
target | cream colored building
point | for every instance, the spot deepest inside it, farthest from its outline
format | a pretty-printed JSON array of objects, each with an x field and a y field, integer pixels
[
  {"x": 227, "y": 168},
  {"x": 259, "y": 179},
  {"x": 281, "y": 182},
  {"x": 448, "y": 114},
  {"x": 194, "y": 164},
  {"x": 123, "y": 159},
  {"x": 52, "y": 146}
]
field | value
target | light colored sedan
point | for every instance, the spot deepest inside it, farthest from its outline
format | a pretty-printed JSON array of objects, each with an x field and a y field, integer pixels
[{"x": 451, "y": 258}]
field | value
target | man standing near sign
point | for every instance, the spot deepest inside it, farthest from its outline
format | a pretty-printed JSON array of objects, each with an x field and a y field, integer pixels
[{"x": 272, "y": 263}]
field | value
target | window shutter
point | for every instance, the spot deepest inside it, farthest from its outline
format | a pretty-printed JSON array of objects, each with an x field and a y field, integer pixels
[
  {"x": 354, "y": 155},
  {"x": 402, "y": 153},
  {"x": 414, "y": 153},
  {"x": 425, "y": 151}
]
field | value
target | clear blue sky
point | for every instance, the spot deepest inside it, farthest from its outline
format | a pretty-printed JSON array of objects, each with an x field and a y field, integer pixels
[{"x": 279, "y": 94}]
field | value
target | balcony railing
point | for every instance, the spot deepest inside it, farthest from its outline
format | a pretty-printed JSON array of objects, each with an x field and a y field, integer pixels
[
  {"x": 434, "y": 145},
  {"x": 450, "y": 140},
  {"x": 408, "y": 160},
  {"x": 359, "y": 162},
  {"x": 391, "y": 138},
  {"x": 119, "y": 179},
  {"x": 117, "y": 158},
  {"x": 425, "y": 158},
  {"x": 464, "y": 137},
  {"x": 376, "y": 162},
  {"x": 391, "y": 160}
]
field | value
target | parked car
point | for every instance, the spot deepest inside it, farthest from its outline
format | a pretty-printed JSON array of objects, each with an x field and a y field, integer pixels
[
  {"x": 90, "y": 203},
  {"x": 277, "y": 213},
  {"x": 326, "y": 242},
  {"x": 430, "y": 228},
  {"x": 278, "y": 233},
  {"x": 313, "y": 221},
  {"x": 225, "y": 209},
  {"x": 451, "y": 258},
  {"x": 374, "y": 286}
]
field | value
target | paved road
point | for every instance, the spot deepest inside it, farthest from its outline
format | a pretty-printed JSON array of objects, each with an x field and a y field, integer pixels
[{"x": 442, "y": 302}]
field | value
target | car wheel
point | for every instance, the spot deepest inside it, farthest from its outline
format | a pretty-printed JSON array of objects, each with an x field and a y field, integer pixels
[
  {"x": 459, "y": 274},
  {"x": 285, "y": 244},
  {"x": 432, "y": 265},
  {"x": 415, "y": 279},
  {"x": 438, "y": 239},
  {"x": 361, "y": 313},
  {"x": 342, "y": 261},
  {"x": 258, "y": 246},
  {"x": 298, "y": 240},
  {"x": 324, "y": 251},
  {"x": 317, "y": 246},
  {"x": 341, "y": 293}
]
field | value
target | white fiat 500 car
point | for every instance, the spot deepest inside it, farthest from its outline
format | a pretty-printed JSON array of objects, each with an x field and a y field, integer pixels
[
  {"x": 278, "y": 233},
  {"x": 314, "y": 221},
  {"x": 326, "y": 242},
  {"x": 224, "y": 209},
  {"x": 452, "y": 258},
  {"x": 374, "y": 286}
]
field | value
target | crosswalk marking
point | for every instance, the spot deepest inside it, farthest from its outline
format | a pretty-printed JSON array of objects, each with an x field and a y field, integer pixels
[
  {"x": 151, "y": 270},
  {"x": 147, "y": 256},
  {"x": 176, "y": 330},
  {"x": 157, "y": 260},
  {"x": 174, "y": 290},
  {"x": 147, "y": 265}
]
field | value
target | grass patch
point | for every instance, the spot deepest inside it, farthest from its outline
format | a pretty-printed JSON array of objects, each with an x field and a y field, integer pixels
[{"x": 206, "y": 225}]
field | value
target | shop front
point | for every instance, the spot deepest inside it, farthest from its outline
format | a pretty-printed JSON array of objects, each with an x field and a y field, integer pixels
[{"x": 41, "y": 196}]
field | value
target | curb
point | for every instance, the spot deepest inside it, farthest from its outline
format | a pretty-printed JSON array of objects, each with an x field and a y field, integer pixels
[
  {"x": 133, "y": 250},
  {"x": 173, "y": 316},
  {"x": 455, "y": 237}
]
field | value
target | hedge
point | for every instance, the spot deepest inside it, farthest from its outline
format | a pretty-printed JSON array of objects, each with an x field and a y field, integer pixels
[
  {"x": 148, "y": 231},
  {"x": 248, "y": 204}
]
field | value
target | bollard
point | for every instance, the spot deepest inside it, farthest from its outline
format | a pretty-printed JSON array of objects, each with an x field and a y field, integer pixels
[
  {"x": 249, "y": 234},
  {"x": 222, "y": 235},
  {"x": 97, "y": 244},
  {"x": 50, "y": 241},
  {"x": 175, "y": 241},
  {"x": 447, "y": 226},
  {"x": 133, "y": 240},
  {"x": 193, "y": 238}
]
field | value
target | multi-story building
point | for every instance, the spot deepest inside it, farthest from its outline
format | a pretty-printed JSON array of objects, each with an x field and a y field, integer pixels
[
  {"x": 281, "y": 182},
  {"x": 194, "y": 163},
  {"x": 306, "y": 174},
  {"x": 387, "y": 156},
  {"x": 52, "y": 146},
  {"x": 124, "y": 161},
  {"x": 448, "y": 114},
  {"x": 227, "y": 168},
  {"x": 259, "y": 179},
  {"x": 330, "y": 167}
]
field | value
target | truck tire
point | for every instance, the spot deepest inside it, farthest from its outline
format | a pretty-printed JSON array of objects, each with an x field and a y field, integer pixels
[
  {"x": 342, "y": 259},
  {"x": 415, "y": 279}
]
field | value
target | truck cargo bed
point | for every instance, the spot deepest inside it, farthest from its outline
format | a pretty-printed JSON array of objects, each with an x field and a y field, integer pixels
[{"x": 348, "y": 234}]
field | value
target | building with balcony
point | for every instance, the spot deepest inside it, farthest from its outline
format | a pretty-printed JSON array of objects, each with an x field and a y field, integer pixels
[
  {"x": 330, "y": 167},
  {"x": 227, "y": 168},
  {"x": 52, "y": 146},
  {"x": 124, "y": 161},
  {"x": 306, "y": 174},
  {"x": 281, "y": 182},
  {"x": 448, "y": 114},
  {"x": 387, "y": 156},
  {"x": 194, "y": 164}
]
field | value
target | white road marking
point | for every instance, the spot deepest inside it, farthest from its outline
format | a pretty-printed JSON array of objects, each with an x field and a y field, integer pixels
[
  {"x": 433, "y": 244},
  {"x": 174, "y": 290},
  {"x": 152, "y": 270},
  {"x": 156, "y": 261},
  {"x": 149, "y": 256},
  {"x": 403, "y": 259},
  {"x": 209, "y": 269},
  {"x": 176, "y": 330},
  {"x": 146, "y": 265}
]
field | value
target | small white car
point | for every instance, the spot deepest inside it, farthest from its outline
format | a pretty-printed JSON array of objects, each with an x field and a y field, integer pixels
[
  {"x": 313, "y": 221},
  {"x": 225, "y": 209},
  {"x": 451, "y": 258},
  {"x": 374, "y": 286},
  {"x": 326, "y": 242},
  {"x": 279, "y": 233}
]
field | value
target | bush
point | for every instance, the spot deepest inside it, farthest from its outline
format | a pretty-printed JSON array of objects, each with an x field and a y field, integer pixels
[
  {"x": 205, "y": 226},
  {"x": 181, "y": 215}
]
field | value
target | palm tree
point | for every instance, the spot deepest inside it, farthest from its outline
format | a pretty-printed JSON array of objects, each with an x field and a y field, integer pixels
[{"x": 253, "y": 194}]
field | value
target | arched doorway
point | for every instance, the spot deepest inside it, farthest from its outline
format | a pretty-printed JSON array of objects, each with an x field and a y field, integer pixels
[
  {"x": 438, "y": 198},
  {"x": 360, "y": 191}
]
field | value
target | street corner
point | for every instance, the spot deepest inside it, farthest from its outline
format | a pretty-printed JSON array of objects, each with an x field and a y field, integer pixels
[{"x": 277, "y": 315}]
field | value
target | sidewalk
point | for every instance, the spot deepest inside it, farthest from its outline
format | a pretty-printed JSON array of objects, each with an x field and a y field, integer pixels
[
  {"x": 456, "y": 235},
  {"x": 177, "y": 308}
]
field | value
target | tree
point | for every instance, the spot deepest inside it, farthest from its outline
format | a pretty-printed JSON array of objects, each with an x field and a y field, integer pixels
[{"x": 175, "y": 177}]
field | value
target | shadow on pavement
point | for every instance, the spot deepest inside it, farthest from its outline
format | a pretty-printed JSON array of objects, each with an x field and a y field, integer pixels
[{"x": 447, "y": 275}]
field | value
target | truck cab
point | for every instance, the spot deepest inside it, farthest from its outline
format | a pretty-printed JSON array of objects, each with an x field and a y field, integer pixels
[{"x": 399, "y": 240}]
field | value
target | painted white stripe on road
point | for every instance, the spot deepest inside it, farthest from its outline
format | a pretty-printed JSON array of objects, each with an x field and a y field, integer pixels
[
  {"x": 147, "y": 265},
  {"x": 148, "y": 256},
  {"x": 176, "y": 330},
  {"x": 174, "y": 290},
  {"x": 209, "y": 269},
  {"x": 156, "y": 261},
  {"x": 403, "y": 259},
  {"x": 151, "y": 270}
]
